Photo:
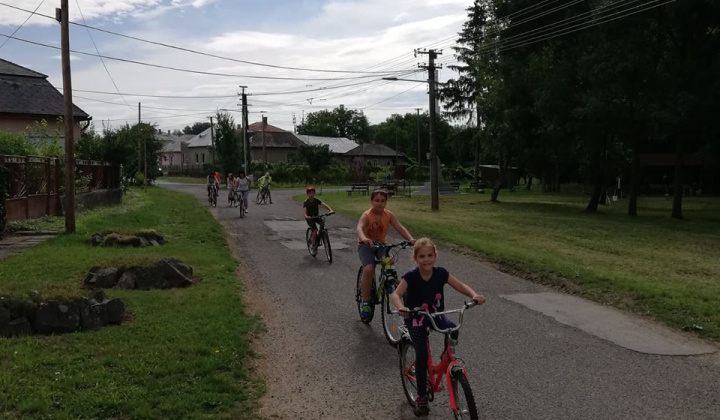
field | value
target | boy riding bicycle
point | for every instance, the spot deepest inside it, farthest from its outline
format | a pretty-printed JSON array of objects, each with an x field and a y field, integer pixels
[
  {"x": 311, "y": 208},
  {"x": 422, "y": 287},
  {"x": 264, "y": 183}
]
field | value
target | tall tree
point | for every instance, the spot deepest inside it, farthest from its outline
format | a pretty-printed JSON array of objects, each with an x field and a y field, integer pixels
[
  {"x": 228, "y": 143},
  {"x": 197, "y": 127},
  {"x": 340, "y": 122}
]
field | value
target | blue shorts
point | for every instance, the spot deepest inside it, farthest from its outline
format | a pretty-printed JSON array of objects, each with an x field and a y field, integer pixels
[{"x": 368, "y": 254}]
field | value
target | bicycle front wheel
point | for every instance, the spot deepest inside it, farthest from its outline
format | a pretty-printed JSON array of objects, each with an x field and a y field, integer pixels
[
  {"x": 392, "y": 323},
  {"x": 358, "y": 297},
  {"x": 465, "y": 407},
  {"x": 308, "y": 240},
  {"x": 257, "y": 197},
  {"x": 326, "y": 245},
  {"x": 407, "y": 370},
  {"x": 242, "y": 209}
]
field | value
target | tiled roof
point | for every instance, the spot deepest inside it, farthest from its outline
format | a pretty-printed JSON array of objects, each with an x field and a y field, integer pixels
[
  {"x": 203, "y": 139},
  {"x": 27, "y": 92},
  {"x": 257, "y": 127},
  {"x": 275, "y": 139},
  {"x": 175, "y": 146},
  {"x": 373, "y": 150},
  {"x": 337, "y": 144}
]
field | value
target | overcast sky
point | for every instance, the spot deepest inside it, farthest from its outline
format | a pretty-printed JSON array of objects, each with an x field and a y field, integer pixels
[{"x": 370, "y": 39}]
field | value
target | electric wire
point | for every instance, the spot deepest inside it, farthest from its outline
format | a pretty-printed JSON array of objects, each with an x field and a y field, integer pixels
[{"x": 23, "y": 24}]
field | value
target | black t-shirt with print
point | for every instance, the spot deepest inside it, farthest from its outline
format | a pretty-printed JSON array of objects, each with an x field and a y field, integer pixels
[{"x": 313, "y": 207}]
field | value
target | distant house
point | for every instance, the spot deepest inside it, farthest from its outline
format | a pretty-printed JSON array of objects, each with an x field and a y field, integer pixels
[
  {"x": 338, "y": 145},
  {"x": 26, "y": 96},
  {"x": 199, "y": 149},
  {"x": 271, "y": 143},
  {"x": 173, "y": 149},
  {"x": 377, "y": 154}
]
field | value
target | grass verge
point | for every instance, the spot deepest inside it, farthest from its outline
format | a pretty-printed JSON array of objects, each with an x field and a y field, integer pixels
[
  {"x": 184, "y": 353},
  {"x": 651, "y": 264}
]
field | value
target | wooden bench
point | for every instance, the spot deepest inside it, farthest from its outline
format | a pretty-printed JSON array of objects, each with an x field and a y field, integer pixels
[
  {"x": 476, "y": 187},
  {"x": 361, "y": 187}
]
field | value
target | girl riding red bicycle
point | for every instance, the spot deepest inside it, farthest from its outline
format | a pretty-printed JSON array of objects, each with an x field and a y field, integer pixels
[{"x": 422, "y": 287}]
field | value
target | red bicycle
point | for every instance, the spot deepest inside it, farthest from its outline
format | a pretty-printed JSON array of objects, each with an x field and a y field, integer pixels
[{"x": 462, "y": 402}]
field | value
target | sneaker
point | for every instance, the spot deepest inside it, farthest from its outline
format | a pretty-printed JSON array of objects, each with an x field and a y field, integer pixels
[
  {"x": 314, "y": 249},
  {"x": 421, "y": 406},
  {"x": 365, "y": 310}
]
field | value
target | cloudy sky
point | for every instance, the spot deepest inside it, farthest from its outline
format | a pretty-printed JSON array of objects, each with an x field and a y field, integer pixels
[{"x": 185, "y": 59}]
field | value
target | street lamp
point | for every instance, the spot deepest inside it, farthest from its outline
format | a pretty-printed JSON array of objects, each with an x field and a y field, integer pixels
[{"x": 434, "y": 169}]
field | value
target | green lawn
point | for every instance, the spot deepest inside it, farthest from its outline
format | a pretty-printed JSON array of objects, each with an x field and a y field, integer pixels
[
  {"x": 651, "y": 264},
  {"x": 184, "y": 354}
]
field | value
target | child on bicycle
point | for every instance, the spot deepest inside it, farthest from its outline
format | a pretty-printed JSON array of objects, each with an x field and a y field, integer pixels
[
  {"x": 311, "y": 208},
  {"x": 243, "y": 184},
  {"x": 422, "y": 287},
  {"x": 212, "y": 185},
  {"x": 231, "y": 183},
  {"x": 373, "y": 226}
]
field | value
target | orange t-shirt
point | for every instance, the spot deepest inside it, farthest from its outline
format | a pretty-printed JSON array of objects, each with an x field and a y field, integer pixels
[{"x": 377, "y": 226}]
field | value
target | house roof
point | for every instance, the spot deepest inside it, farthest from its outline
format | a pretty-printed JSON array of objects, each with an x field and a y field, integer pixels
[
  {"x": 373, "y": 150},
  {"x": 27, "y": 92},
  {"x": 172, "y": 147},
  {"x": 338, "y": 145},
  {"x": 256, "y": 127},
  {"x": 275, "y": 139},
  {"x": 203, "y": 139}
]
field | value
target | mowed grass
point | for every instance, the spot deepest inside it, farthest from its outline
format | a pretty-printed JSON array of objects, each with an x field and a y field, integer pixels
[
  {"x": 650, "y": 264},
  {"x": 181, "y": 354}
]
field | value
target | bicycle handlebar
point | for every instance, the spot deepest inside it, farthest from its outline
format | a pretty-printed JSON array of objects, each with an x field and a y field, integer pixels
[
  {"x": 431, "y": 316},
  {"x": 401, "y": 244},
  {"x": 321, "y": 216}
]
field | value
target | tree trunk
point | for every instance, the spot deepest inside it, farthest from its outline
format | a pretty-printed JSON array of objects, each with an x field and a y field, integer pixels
[
  {"x": 597, "y": 185},
  {"x": 498, "y": 183},
  {"x": 678, "y": 182},
  {"x": 528, "y": 184},
  {"x": 477, "y": 147},
  {"x": 634, "y": 181}
]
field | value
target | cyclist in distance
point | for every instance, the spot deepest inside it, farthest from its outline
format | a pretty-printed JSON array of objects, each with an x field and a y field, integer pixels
[
  {"x": 231, "y": 186},
  {"x": 211, "y": 181},
  {"x": 243, "y": 184},
  {"x": 311, "y": 208},
  {"x": 264, "y": 183},
  {"x": 422, "y": 287},
  {"x": 373, "y": 226}
]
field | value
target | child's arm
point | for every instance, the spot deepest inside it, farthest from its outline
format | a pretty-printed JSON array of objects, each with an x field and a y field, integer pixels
[
  {"x": 465, "y": 290},
  {"x": 305, "y": 212},
  {"x": 327, "y": 207},
  {"x": 360, "y": 234},
  {"x": 397, "y": 301},
  {"x": 401, "y": 229}
]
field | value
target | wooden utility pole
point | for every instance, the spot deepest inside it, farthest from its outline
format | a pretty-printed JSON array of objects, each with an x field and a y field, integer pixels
[
  {"x": 61, "y": 15},
  {"x": 246, "y": 157},
  {"x": 144, "y": 151},
  {"x": 417, "y": 118},
  {"x": 264, "y": 147},
  {"x": 212, "y": 139},
  {"x": 434, "y": 167}
]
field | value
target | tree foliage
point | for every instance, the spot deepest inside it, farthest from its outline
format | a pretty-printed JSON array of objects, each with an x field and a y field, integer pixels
[{"x": 340, "y": 122}]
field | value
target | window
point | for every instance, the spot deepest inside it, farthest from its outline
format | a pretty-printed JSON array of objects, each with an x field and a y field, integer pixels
[
  {"x": 197, "y": 158},
  {"x": 203, "y": 157}
]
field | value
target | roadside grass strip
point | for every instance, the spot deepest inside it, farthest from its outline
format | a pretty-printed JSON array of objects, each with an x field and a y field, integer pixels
[{"x": 181, "y": 354}]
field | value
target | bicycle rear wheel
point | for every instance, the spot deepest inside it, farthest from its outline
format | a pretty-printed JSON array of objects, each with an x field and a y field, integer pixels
[
  {"x": 358, "y": 297},
  {"x": 326, "y": 245},
  {"x": 464, "y": 400},
  {"x": 407, "y": 370},
  {"x": 392, "y": 323}
]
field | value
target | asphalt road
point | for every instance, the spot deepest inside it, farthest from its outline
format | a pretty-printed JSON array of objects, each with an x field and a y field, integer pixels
[{"x": 531, "y": 353}]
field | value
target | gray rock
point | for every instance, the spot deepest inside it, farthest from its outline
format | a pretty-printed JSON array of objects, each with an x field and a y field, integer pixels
[{"x": 57, "y": 317}]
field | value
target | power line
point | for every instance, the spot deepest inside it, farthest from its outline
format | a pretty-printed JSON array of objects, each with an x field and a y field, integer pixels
[
  {"x": 23, "y": 24},
  {"x": 207, "y": 73},
  {"x": 253, "y": 63}
]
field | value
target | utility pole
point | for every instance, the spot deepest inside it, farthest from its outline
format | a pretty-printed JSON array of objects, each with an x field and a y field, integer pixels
[
  {"x": 418, "y": 137},
  {"x": 144, "y": 151},
  {"x": 246, "y": 158},
  {"x": 62, "y": 16},
  {"x": 264, "y": 147},
  {"x": 212, "y": 139},
  {"x": 434, "y": 169}
]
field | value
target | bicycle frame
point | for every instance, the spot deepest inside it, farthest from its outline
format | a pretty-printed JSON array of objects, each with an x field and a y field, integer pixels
[{"x": 448, "y": 361}]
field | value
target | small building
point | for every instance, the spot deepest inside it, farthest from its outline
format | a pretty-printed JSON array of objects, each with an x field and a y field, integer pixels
[
  {"x": 270, "y": 143},
  {"x": 26, "y": 97},
  {"x": 338, "y": 145},
  {"x": 199, "y": 150}
]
